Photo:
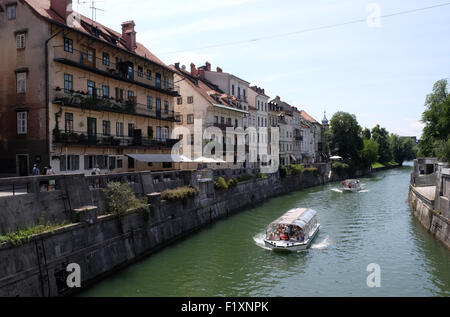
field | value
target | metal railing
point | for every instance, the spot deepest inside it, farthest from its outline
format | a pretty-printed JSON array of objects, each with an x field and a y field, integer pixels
[
  {"x": 92, "y": 63},
  {"x": 94, "y": 102},
  {"x": 84, "y": 138}
]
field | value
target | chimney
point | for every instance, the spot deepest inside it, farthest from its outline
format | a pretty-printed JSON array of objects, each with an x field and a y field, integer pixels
[
  {"x": 208, "y": 66},
  {"x": 177, "y": 65},
  {"x": 219, "y": 70},
  {"x": 202, "y": 73},
  {"x": 62, "y": 7},
  {"x": 183, "y": 67},
  {"x": 129, "y": 35},
  {"x": 194, "y": 71}
]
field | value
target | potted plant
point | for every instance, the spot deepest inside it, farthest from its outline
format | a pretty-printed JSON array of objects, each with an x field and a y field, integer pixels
[{"x": 58, "y": 88}]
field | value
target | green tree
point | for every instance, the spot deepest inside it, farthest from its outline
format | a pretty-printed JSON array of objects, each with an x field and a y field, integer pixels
[
  {"x": 344, "y": 136},
  {"x": 367, "y": 134},
  {"x": 403, "y": 149},
  {"x": 381, "y": 136},
  {"x": 369, "y": 154},
  {"x": 437, "y": 121},
  {"x": 443, "y": 150}
]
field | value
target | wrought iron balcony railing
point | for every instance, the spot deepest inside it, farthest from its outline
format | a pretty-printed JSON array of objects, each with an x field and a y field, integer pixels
[{"x": 86, "y": 139}]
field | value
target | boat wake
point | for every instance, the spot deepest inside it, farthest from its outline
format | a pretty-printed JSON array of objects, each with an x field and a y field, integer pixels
[
  {"x": 336, "y": 190},
  {"x": 325, "y": 243},
  {"x": 259, "y": 240}
]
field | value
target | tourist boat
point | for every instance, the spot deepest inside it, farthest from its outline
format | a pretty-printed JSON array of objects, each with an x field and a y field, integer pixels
[
  {"x": 351, "y": 185},
  {"x": 294, "y": 231}
]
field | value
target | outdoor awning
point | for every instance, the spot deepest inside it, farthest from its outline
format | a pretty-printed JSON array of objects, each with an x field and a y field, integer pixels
[
  {"x": 208, "y": 160},
  {"x": 293, "y": 157},
  {"x": 335, "y": 158},
  {"x": 229, "y": 108},
  {"x": 159, "y": 158}
]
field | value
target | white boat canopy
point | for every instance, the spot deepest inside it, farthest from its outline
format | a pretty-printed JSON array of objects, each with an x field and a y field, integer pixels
[
  {"x": 296, "y": 217},
  {"x": 159, "y": 158}
]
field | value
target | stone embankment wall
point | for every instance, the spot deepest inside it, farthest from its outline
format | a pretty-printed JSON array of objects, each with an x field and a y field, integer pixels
[
  {"x": 433, "y": 211},
  {"x": 106, "y": 242}
]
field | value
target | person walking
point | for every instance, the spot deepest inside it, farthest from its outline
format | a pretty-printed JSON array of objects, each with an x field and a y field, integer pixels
[{"x": 35, "y": 171}]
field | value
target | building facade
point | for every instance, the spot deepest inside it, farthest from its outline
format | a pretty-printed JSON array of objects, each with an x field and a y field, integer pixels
[
  {"x": 80, "y": 95},
  {"x": 205, "y": 101}
]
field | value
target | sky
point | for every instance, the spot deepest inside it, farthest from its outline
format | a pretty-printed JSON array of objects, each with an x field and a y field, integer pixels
[{"x": 379, "y": 70}]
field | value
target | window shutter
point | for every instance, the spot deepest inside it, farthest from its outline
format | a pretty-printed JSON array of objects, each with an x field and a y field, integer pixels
[
  {"x": 62, "y": 163},
  {"x": 77, "y": 162},
  {"x": 86, "y": 162}
]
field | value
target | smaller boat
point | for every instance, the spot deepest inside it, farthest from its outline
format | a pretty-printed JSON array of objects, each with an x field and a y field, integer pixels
[
  {"x": 294, "y": 231},
  {"x": 351, "y": 185}
]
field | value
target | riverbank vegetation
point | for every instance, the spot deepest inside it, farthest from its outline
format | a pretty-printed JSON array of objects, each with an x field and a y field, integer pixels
[
  {"x": 363, "y": 148},
  {"x": 181, "y": 193},
  {"x": 121, "y": 198},
  {"x": 20, "y": 236},
  {"x": 435, "y": 140}
]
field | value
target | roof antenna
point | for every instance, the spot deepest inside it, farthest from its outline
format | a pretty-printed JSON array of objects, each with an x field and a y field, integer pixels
[{"x": 93, "y": 8}]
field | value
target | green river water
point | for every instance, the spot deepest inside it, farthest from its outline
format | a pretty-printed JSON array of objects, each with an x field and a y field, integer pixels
[{"x": 374, "y": 226}]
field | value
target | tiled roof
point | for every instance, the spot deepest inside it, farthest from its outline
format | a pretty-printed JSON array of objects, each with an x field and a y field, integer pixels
[
  {"x": 208, "y": 90},
  {"x": 307, "y": 117},
  {"x": 92, "y": 28}
]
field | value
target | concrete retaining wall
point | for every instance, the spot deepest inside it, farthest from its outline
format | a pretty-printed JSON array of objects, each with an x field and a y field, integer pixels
[{"x": 423, "y": 209}]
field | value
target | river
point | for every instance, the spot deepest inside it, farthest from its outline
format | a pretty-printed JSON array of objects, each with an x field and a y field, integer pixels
[{"x": 374, "y": 226}]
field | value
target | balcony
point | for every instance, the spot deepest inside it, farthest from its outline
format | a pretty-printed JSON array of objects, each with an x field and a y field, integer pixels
[
  {"x": 82, "y": 100},
  {"x": 221, "y": 126},
  {"x": 84, "y": 139},
  {"x": 120, "y": 71}
]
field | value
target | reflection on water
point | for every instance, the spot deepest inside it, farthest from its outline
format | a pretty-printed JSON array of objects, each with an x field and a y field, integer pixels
[{"x": 356, "y": 229}]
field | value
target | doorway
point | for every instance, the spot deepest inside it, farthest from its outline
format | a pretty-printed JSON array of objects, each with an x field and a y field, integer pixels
[{"x": 22, "y": 165}]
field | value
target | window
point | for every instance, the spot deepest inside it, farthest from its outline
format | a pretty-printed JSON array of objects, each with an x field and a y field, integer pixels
[
  {"x": 130, "y": 95},
  {"x": 68, "y": 122},
  {"x": 130, "y": 72},
  {"x": 106, "y": 128},
  {"x": 22, "y": 118},
  {"x": 73, "y": 162},
  {"x": 140, "y": 72},
  {"x": 167, "y": 164},
  {"x": 105, "y": 91},
  {"x": 20, "y": 41},
  {"x": 166, "y": 107},
  {"x": 158, "y": 80},
  {"x": 150, "y": 132},
  {"x": 112, "y": 162},
  {"x": 68, "y": 45},
  {"x": 239, "y": 92},
  {"x": 158, "y": 133},
  {"x": 190, "y": 119},
  {"x": 68, "y": 83},
  {"x": 105, "y": 59},
  {"x": 21, "y": 82},
  {"x": 190, "y": 100},
  {"x": 216, "y": 119},
  {"x": 119, "y": 164},
  {"x": 119, "y": 94},
  {"x": 165, "y": 133},
  {"x": 158, "y": 106},
  {"x": 90, "y": 55},
  {"x": 11, "y": 11},
  {"x": 149, "y": 74},
  {"x": 232, "y": 90},
  {"x": 130, "y": 130},
  {"x": 149, "y": 102},
  {"x": 180, "y": 101},
  {"x": 119, "y": 129},
  {"x": 91, "y": 88},
  {"x": 130, "y": 162},
  {"x": 222, "y": 120}
]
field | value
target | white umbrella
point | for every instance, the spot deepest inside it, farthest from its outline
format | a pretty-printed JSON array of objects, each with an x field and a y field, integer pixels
[
  {"x": 203, "y": 159},
  {"x": 335, "y": 158}
]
